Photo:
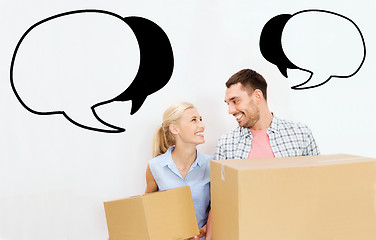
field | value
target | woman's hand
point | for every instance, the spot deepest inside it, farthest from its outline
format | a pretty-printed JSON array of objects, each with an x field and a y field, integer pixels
[
  {"x": 202, "y": 234},
  {"x": 205, "y": 231}
]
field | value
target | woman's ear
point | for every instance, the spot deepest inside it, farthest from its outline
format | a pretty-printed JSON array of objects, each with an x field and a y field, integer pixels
[{"x": 173, "y": 129}]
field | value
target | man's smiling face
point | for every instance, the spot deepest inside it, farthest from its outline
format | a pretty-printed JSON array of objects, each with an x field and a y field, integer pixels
[{"x": 242, "y": 105}]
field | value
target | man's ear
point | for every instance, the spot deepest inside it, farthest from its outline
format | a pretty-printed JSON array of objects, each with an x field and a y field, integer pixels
[
  {"x": 173, "y": 129},
  {"x": 258, "y": 95}
]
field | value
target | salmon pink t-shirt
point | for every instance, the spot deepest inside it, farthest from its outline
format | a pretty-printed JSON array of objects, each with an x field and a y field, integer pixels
[{"x": 260, "y": 145}]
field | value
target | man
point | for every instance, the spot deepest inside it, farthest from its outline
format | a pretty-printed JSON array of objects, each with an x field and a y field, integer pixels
[{"x": 260, "y": 133}]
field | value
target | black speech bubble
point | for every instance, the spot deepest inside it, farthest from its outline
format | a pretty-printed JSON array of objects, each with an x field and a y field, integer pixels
[
  {"x": 156, "y": 62},
  {"x": 272, "y": 51},
  {"x": 271, "y": 43}
]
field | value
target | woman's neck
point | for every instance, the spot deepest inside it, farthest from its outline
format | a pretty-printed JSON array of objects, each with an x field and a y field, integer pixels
[{"x": 184, "y": 157}]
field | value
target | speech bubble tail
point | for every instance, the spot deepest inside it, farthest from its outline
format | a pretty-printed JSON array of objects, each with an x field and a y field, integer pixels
[
  {"x": 315, "y": 80},
  {"x": 136, "y": 104},
  {"x": 283, "y": 70},
  {"x": 88, "y": 119}
]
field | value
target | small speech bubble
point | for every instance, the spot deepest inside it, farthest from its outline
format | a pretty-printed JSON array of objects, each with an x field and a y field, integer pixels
[
  {"x": 73, "y": 62},
  {"x": 323, "y": 43}
]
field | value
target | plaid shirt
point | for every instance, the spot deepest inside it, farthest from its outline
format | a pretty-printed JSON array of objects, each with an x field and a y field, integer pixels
[{"x": 287, "y": 139}]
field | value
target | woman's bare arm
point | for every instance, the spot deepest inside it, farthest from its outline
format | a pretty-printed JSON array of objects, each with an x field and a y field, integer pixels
[{"x": 151, "y": 185}]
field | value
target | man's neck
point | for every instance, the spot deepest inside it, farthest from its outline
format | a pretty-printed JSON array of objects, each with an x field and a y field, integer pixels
[{"x": 264, "y": 122}]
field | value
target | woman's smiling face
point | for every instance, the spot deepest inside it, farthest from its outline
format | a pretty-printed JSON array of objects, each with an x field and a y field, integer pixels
[{"x": 190, "y": 128}]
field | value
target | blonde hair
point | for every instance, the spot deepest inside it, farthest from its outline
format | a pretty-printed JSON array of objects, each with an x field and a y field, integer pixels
[{"x": 163, "y": 138}]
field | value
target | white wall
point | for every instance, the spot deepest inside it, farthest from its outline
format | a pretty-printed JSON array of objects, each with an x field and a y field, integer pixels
[{"x": 54, "y": 176}]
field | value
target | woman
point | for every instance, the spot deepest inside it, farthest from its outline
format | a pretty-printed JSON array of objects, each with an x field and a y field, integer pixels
[{"x": 177, "y": 163}]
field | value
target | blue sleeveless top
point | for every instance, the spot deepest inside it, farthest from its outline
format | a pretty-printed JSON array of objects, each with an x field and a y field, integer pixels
[{"x": 167, "y": 176}]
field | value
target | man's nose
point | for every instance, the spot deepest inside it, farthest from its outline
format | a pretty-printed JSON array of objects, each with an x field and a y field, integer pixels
[{"x": 231, "y": 109}]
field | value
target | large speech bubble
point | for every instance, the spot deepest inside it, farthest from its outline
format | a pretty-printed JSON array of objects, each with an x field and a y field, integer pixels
[
  {"x": 73, "y": 62},
  {"x": 325, "y": 44}
]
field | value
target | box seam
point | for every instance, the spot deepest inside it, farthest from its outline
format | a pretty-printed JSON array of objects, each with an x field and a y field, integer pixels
[{"x": 146, "y": 219}]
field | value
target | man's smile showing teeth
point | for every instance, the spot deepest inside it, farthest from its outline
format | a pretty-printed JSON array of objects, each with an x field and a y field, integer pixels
[{"x": 238, "y": 116}]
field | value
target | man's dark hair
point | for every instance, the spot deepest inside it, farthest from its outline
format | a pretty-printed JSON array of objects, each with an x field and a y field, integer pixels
[{"x": 250, "y": 80}]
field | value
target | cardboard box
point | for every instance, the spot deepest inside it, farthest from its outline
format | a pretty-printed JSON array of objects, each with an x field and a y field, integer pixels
[
  {"x": 161, "y": 215},
  {"x": 299, "y": 198}
]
